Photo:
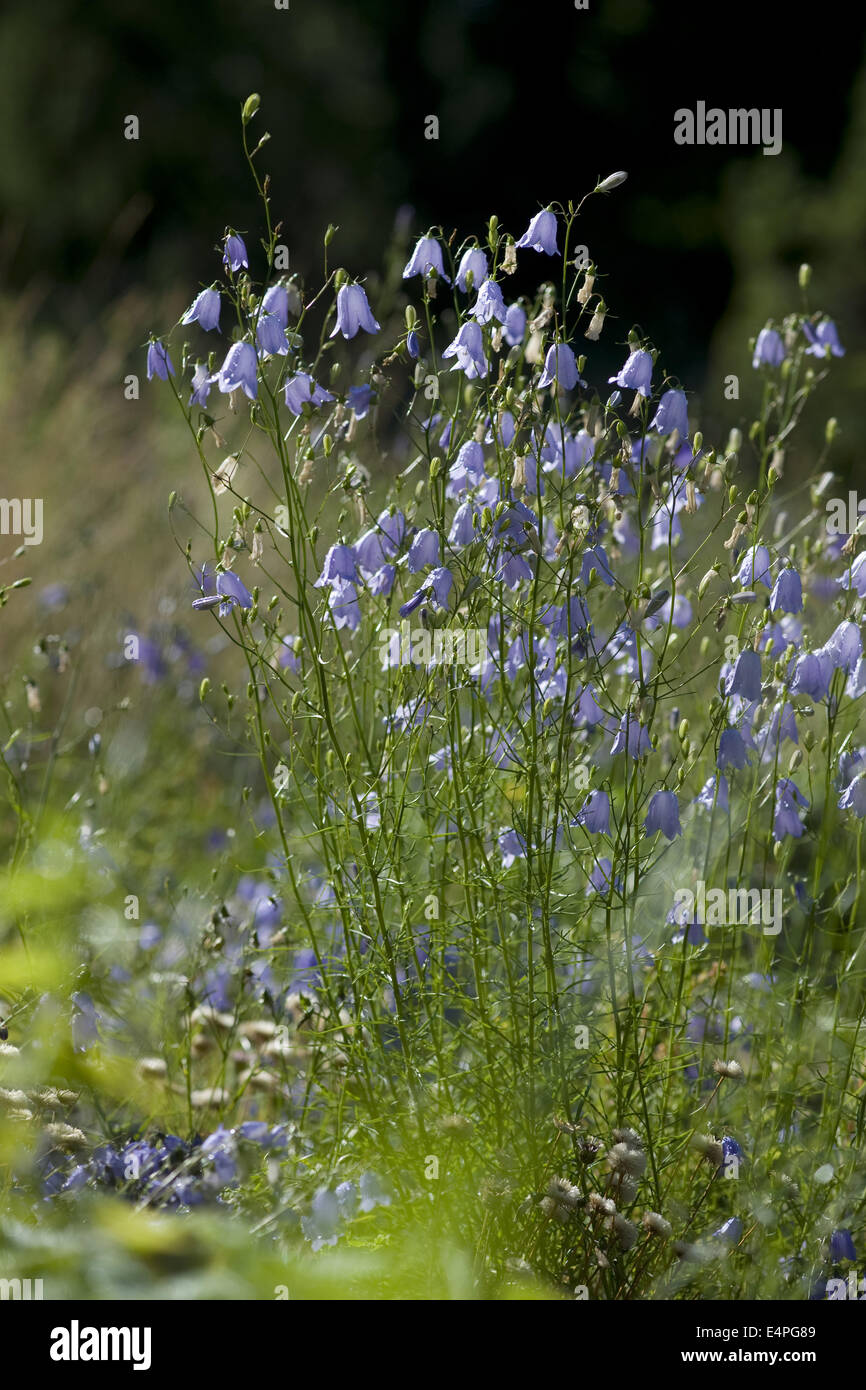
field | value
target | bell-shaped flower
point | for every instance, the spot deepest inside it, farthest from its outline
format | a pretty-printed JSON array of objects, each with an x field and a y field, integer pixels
[
  {"x": 159, "y": 364},
  {"x": 787, "y": 820},
  {"x": 276, "y": 302},
  {"x": 787, "y": 595},
  {"x": 855, "y": 577},
  {"x": 755, "y": 567},
  {"x": 745, "y": 678},
  {"x": 824, "y": 339},
  {"x": 462, "y": 530},
  {"x": 302, "y": 390},
  {"x": 540, "y": 235},
  {"x": 844, "y": 646},
  {"x": 594, "y": 815},
  {"x": 424, "y": 550},
  {"x": 489, "y": 304},
  {"x": 473, "y": 263},
  {"x": 811, "y": 675},
  {"x": 271, "y": 336},
  {"x": 842, "y": 1246},
  {"x": 560, "y": 366},
  {"x": 467, "y": 470},
  {"x": 353, "y": 312},
  {"x": 631, "y": 736},
  {"x": 204, "y": 310},
  {"x": 201, "y": 385},
  {"x": 515, "y": 325},
  {"x": 468, "y": 348},
  {"x": 426, "y": 260},
  {"x": 732, "y": 750},
  {"x": 663, "y": 815},
  {"x": 339, "y": 565},
  {"x": 239, "y": 371},
  {"x": 235, "y": 253},
  {"x": 769, "y": 349},
  {"x": 672, "y": 414},
  {"x": 853, "y": 797},
  {"x": 436, "y": 589},
  {"x": 637, "y": 373}
]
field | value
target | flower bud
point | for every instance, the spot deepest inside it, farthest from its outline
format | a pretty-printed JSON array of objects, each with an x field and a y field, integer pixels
[
  {"x": 832, "y": 429},
  {"x": 804, "y": 276},
  {"x": 251, "y": 106},
  {"x": 611, "y": 182},
  {"x": 706, "y": 582}
]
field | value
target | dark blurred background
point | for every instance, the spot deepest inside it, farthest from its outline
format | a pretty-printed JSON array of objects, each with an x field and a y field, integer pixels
[{"x": 103, "y": 237}]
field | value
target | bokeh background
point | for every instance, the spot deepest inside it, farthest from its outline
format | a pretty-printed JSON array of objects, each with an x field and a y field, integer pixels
[{"x": 104, "y": 239}]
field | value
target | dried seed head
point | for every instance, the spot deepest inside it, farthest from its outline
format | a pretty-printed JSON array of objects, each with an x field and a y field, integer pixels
[
  {"x": 624, "y": 1160},
  {"x": 626, "y": 1231},
  {"x": 733, "y": 1070},
  {"x": 710, "y": 1149},
  {"x": 585, "y": 290},
  {"x": 597, "y": 1203},
  {"x": 596, "y": 324},
  {"x": 628, "y": 1136},
  {"x": 562, "y": 1200},
  {"x": 656, "y": 1225}
]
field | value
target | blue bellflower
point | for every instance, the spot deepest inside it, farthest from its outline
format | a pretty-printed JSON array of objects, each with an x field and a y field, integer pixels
[
  {"x": 353, "y": 312},
  {"x": 769, "y": 349},
  {"x": 824, "y": 339},
  {"x": 663, "y": 815},
  {"x": 204, "y": 310},
  {"x": 637, "y": 373},
  {"x": 489, "y": 304},
  {"x": 560, "y": 366},
  {"x": 238, "y": 371},
  {"x": 159, "y": 364},
  {"x": 672, "y": 414},
  {"x": 472, "y": 263},
  {"x": 235, "y": 254},
  {"x": 468, "y": 348},
  {"x": 540, "y": 235},
  {"x": 426, "y": 260},
  {"x": 302, "y": 390},
  {"x": 276, "y": 302}
]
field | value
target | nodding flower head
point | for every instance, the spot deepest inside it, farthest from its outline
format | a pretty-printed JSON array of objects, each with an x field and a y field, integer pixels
[
  {"x": 672, "y": 414},
  {"x": 426, "y": 260},
  {"x": 489, "y": 304},
  {"x": 468, "y": 348},
  {"x": 637, "y": 373},
  {"x": 159, "y": 364},
  {"x": 560, "y": 366},
  {"x": 769, "y": 349},
  {"x": 235, "y": 253},
  {"x": 540, "y": 235},
  {"x": 664, "y": 815},
  {"x": 302, "y": 390},
  {"x": 824, "y": 339},
  {"x": 204, "y": 310},
  {"x": 472, "y": 270},
  {"x": 239, "y": 370},
  {"x": 353, "y": 312},
  {"x": 842, "y": 1246},
  {"x": 228, "y": 591},
  {"x": 276, "y": 302}
]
